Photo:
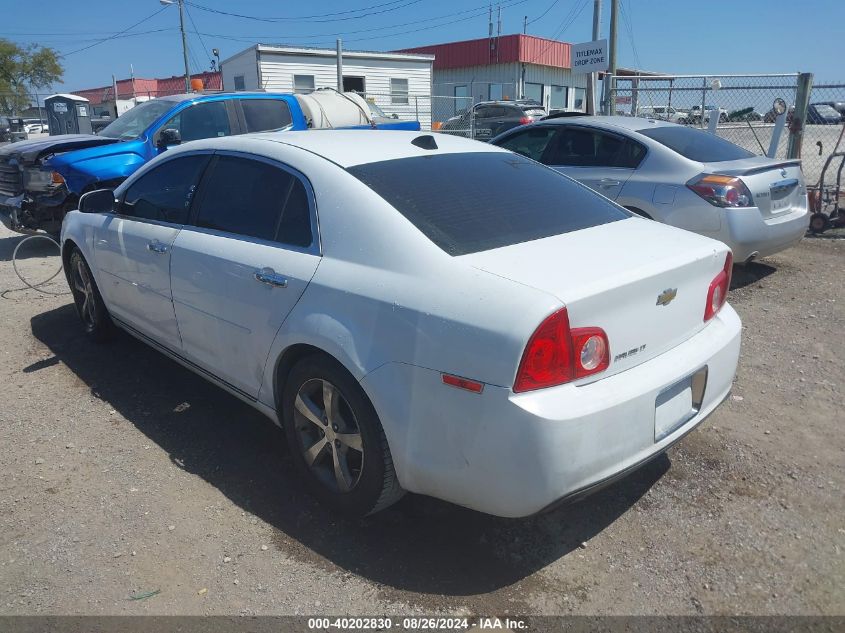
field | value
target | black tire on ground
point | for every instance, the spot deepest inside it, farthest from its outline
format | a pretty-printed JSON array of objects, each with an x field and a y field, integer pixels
[
  {"x": 367, "y": 481},
  {"x": 86, "y": 296},
  {"x": 819, "y": 223}
]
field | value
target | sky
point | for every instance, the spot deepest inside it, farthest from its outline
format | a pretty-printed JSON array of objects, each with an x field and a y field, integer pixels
[{"x": 679, "y": 37}]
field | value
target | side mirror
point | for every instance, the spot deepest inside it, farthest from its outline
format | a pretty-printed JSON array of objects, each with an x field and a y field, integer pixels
[
  {"x": 99, "y": 201},
  {"x": 168, "y": 137}
]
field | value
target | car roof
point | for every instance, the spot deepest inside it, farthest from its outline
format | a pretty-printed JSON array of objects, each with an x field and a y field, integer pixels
[
  {"x": 348, "y": 148},
  {"x": 628, "y": 123}
]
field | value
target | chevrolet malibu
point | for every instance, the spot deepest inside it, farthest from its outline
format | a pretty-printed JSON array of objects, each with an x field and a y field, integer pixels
[
  {"x": 678, "y": 175},
  {"x": 417, "y": 313}
]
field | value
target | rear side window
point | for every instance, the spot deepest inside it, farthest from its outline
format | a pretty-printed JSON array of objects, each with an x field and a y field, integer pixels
[
  {"x": 485, "y": 200},
  {"x": 265, "y": 114},
  {"x": 583, "y": 147},
  {"x": 530, "y": 142},
  {"x": 258, "y": 205},
  {"x": 695, "y": 144},
  {"x": 164, "y": 193}
]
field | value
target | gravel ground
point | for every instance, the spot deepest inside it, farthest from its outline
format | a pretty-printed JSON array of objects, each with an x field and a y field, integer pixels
[{"x": 123, "y": 473}]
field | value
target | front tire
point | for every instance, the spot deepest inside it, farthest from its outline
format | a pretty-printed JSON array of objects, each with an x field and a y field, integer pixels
[
  {"x": 336, "y": 439},
  {"x": 86, "y": 296}
]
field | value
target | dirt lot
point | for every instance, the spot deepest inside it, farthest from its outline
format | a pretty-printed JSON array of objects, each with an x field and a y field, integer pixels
[{"x": 121, "y": 472}]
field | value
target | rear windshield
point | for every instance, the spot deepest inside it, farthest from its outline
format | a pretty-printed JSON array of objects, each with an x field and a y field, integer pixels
[
  {"x": 695, "y": 144},
  {"x": 471, "y": 202}
]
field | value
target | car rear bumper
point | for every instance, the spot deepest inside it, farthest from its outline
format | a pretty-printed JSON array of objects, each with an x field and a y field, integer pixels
[
  {"x": 515, "y": 454},
  {"x": 750, "y": 236}
]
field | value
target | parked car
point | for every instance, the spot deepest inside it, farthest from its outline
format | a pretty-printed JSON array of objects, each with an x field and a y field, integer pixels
[
  {"x": 694, "y": 115},
  {"x": 744, "y": 114},
  {"x": 42, "y": 179},
  {"x": 823, "y": 114},
  {"x": 678, "y": 175},
  {"x": 37, "y": 128},
  {"x": 11, "y": 130},
  {"x": 839, "y": 106},
  {"x": 490, "y": 118},
  {"x": 425, "y": 314},
  {"x": 663, "y": 113}
]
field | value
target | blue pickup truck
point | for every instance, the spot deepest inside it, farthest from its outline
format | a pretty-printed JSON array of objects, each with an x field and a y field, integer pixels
[{"x": 42, "y": 179}]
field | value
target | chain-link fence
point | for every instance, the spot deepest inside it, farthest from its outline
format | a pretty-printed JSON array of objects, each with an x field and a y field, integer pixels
[{"x": 743, "y": 106}]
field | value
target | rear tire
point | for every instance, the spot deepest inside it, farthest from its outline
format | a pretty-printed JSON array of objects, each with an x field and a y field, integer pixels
[
  {"x": 86, "y": 296},
  {"x": 336, "y": 439},
  {"x": 819, "y": 223}
]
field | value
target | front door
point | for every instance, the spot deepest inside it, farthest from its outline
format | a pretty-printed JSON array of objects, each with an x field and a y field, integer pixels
[
  {"x": 243, "y": 264},
  {"x": 132, "y": 247}
]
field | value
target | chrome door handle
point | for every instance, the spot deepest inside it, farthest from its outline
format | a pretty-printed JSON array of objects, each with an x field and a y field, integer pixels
[
  {"x": 609, "y": 182},
  {"x": 268, "y": 276},
  {"x": 157, "y": 247}
]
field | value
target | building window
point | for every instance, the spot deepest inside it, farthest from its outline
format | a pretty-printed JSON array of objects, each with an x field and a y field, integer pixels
[
  {"x": 497, "y": 92},
  {"x": 559, "y": 98},
  {"x": 303, "y": 84},
  {"x": 239, "y": 82},
  {"x": 354, "y": 84},
  {"x": 580, "y": 98},
  {"x": 399, "y": 91},
  {"x": 534, "y": 91}
]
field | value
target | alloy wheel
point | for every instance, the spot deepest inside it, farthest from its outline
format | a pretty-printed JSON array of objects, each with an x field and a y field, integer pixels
[
  {"x": 85, "y": 292},
  {"x": 329, "y": 435}
]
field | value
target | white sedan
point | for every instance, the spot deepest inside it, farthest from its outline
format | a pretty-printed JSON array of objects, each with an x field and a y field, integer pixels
[{"x": 418, "y": 313}]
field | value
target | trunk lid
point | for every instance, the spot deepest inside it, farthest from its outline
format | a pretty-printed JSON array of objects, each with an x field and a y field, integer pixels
[
  {"x": 644, "y": 283},
  {"x": 777, "y": 187}
]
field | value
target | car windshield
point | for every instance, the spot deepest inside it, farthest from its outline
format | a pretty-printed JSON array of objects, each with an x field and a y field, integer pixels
[
  {"x": 485, "y": 200},
  {"x": 133, "y": 122},
  {"x": 695, "y": 144},
  {"x": 826, "y": 110}
]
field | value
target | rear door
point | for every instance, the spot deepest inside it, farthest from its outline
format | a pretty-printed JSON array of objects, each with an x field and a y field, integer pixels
[
  {"x": 601, "y": 160},
  {"x": 133, "y": 246},
  {"x": 243, "y": 264}
]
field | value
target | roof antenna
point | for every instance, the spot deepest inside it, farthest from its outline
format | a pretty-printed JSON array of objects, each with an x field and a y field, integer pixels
[{"x": 425, "y": 142}]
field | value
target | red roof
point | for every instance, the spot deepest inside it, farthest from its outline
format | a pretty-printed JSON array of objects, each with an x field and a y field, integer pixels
[
  {"x": 127, "y": 88},
  {"x": 483, "y": 52}
]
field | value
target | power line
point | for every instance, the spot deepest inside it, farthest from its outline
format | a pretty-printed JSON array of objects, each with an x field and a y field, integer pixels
[
  {"x": 326, "y": 17},
  {"x": 106, "y": 39},
  {"x": 476, "y": 12},
  {"x": 196, "y": 32},
  {"x": 542, "y": 15},
  {"x": 629, "y": 30},
  {"x": 569, "y": 20}
]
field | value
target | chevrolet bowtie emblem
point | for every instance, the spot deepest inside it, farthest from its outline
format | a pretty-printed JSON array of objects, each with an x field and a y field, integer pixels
[{"x": 665, "y": 297}]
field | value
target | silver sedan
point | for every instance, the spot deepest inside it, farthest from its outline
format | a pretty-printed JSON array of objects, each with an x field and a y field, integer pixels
[{"x": 677, "y": 175}]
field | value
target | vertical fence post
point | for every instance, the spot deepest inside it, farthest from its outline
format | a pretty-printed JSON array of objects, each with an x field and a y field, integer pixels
[
  {"x": 799, "y": 117},
  {"x": 703, "y": 100},
  {"x": 417, "y": 108}
]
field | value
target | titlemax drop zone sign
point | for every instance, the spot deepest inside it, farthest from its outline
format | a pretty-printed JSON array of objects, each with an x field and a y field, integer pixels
[{"x": 589, "y": 57}]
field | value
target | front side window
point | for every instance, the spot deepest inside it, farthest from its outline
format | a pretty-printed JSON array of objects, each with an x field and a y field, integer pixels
[
  {"x": 265, "y": 114},
  {"x": 165, "y": 192},
  {"x": 303, "y": 84},
  {"x": 398, "y": 91},
  {"x": 268, "y": 202},
  {"x": 559, "y": 97},
  {"x": 485, "y": 200},
  {"x": 208, "y": 119},
  {"x": 531, "y": 142}
]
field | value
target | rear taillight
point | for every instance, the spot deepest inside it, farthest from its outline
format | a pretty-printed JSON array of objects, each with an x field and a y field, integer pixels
[
  {"x": 722, "y": 191},
  {"x": 717, "y": 294},
  {"x": 556, "y": 354},
  {"x": 525, "y": 120}
]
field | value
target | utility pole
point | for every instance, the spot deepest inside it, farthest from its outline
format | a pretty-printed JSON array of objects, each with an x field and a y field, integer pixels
[
  {"x": 592, "y": 83},
  {"x": 525, "y": 25},
  {"x": 181, "y": 4},
  {"x": 611, "y": 88},
  {"x": 339, "y": 65}
]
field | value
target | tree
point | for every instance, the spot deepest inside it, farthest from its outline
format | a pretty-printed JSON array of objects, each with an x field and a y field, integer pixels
[{"x": 24, "y": 69}]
